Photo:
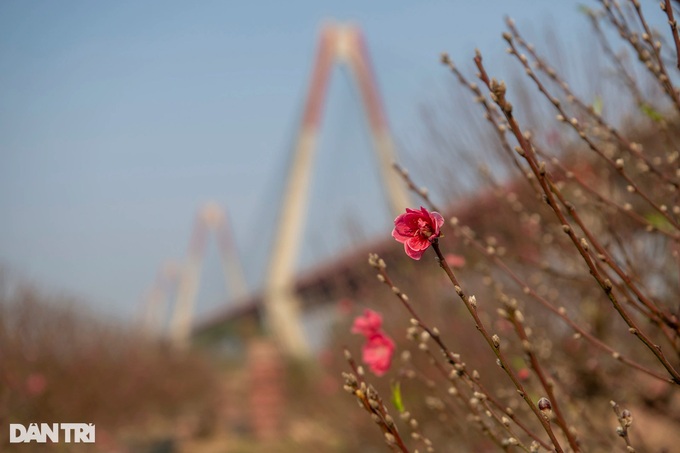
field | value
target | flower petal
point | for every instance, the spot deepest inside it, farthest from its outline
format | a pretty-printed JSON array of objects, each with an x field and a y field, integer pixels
[
  {"x": 437, "y": 221},
  {"x": 399, "y": 236},
  {"x": 415, "y": 254},
  {"x": 418, "y": 243}
]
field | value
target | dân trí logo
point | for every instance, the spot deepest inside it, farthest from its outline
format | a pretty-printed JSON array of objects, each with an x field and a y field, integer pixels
[{"x": 55, "y": 432}]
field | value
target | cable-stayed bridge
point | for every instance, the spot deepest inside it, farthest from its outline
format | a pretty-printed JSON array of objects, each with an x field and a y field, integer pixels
[{"x": 278, "y": 305}]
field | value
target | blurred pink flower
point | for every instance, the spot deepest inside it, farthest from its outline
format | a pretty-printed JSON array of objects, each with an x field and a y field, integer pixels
[
  {"x": 416, "y": 230},
  {"x": 378, "y": 350},
  {"x": 368, "y": 324},
  {"x": 36, "y": 383},
  {"x": 344, "y": 306},
  {"x": 454, "y": 260},
  {"x": 524, "y": 374},
  {"x": 377, "y": 353}
]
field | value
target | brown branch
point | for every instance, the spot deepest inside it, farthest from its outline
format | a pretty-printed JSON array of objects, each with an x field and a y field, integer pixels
[
  {"x": 452, "y": 359},
  {"x": 471, "y": 305},
  {"x": 559, "y": 312},
  {"x": 497, "y": 92},
  {"x": 548, "y": 386},
  {"x": 633, "y": 148},
  {"x": 371, "y": 402},
  {"x": 668, "y": 9},
  {"x": 578, "y": 128},
  {"x": 657, "y": 69}
]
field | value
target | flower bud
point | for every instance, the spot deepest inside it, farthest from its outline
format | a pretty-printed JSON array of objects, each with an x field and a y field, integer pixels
[{"x": 545, "y": 407}]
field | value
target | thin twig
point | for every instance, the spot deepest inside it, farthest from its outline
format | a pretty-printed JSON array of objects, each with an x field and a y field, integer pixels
[
  {"x": 668, "y": 9},
  {"x": 497, "y": 91}
]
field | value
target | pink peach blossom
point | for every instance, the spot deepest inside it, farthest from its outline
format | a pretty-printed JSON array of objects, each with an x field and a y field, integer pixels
[
  {"x": 368, "y": 324},
  {"x": 377, "y": 353},
  {"x": 416, "y": 230}
]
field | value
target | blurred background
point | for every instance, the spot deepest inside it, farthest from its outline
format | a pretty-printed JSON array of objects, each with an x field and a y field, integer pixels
[
  {"x": 118, "y": 122},
  {"x": 146, "y": 151}
]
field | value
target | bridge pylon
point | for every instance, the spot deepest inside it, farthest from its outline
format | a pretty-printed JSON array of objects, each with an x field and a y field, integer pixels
[
  {"x": 211, "y": 218},
  {"x": 343, "y": 44}
]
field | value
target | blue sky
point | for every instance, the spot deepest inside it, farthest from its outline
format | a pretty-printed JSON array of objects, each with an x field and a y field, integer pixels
[{"x": 118, "y": 120}]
